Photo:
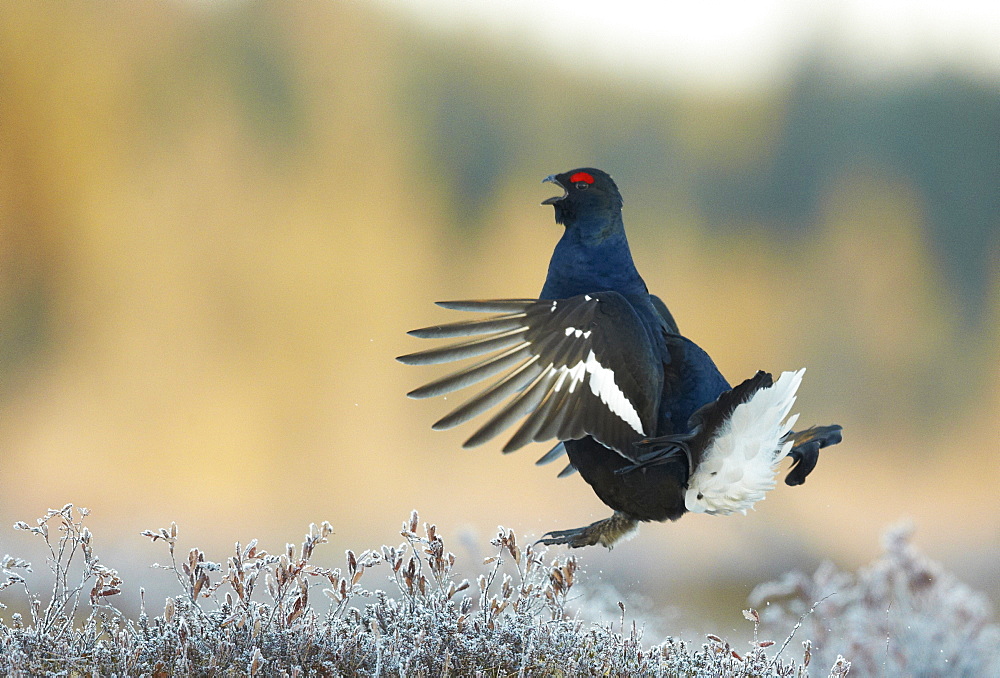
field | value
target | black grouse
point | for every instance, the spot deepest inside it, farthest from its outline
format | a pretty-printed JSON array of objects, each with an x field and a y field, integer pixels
[{"x": 598, "y": 363}]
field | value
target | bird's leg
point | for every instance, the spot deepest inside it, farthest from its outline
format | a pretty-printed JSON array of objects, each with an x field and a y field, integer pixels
[
  {"x": 805, "y": 450},
  {"x": 604, "y": 532},
  {"x": 657, "y": 451}
]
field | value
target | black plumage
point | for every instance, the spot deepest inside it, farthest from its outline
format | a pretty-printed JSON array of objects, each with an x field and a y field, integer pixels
[{"x": 599, "y": 364}]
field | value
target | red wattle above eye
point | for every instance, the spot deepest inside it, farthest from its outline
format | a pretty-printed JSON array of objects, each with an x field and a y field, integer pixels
[{"x": 581, "y": 176}]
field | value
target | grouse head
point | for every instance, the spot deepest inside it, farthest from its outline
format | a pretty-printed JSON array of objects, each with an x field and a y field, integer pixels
[{"x": 587, "y": 193}]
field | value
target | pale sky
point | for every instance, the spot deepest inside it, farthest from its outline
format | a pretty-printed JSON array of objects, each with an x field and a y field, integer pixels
[{"x": 733, "y": 42}]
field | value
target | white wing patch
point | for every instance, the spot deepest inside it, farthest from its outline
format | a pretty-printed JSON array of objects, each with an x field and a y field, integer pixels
[
  {"x": 602, "y": 385},
  {"x": 739, "y": 465},
  {"x": 573, "y": 331}
]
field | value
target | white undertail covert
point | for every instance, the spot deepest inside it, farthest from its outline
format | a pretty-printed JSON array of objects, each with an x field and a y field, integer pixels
[{"x": 740, "y": 463}]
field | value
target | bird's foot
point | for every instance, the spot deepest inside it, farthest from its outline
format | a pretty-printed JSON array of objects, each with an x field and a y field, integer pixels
[
  {"x": 661, "y": 450},
  {"x": 604, "y": 532},
  {"x": 805, "y": 453}
]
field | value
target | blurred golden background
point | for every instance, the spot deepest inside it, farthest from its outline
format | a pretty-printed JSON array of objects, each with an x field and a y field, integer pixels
[{"x": 218, "y": 220}]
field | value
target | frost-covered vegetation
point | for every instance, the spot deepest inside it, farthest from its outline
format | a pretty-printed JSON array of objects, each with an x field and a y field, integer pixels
[
  {"x": 262, "y": 614},
  {"x": 903, "y": 615}
]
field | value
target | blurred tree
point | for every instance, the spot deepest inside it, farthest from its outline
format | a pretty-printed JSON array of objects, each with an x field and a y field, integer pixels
[{"x": 941, "y": 132}]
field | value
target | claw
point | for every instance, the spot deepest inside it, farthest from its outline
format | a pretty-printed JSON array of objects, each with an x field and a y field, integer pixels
[
  {"x": 661, "y": 456},
  {"x": 660, "y": 451},
  {"x": 604, "y": 532},
  {"x": 575, "y": 538}
]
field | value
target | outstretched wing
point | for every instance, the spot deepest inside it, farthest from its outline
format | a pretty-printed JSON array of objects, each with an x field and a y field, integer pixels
[{"x": 574, "y": 367}]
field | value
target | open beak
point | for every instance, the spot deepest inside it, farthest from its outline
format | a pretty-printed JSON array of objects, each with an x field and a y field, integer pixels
[{"x": 551, "y": 179}]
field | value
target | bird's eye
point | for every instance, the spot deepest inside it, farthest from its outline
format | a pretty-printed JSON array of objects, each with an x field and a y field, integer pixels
[{"x": 582, "y": 185}]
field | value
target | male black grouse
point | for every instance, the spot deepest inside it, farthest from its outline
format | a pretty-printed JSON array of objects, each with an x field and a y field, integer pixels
[{"x": 599, "y": 364}]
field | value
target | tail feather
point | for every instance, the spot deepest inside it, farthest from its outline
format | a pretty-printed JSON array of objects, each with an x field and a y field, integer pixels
[
  {"x": 805, "y": 447},
  {"x": 740, "y": 462}
]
